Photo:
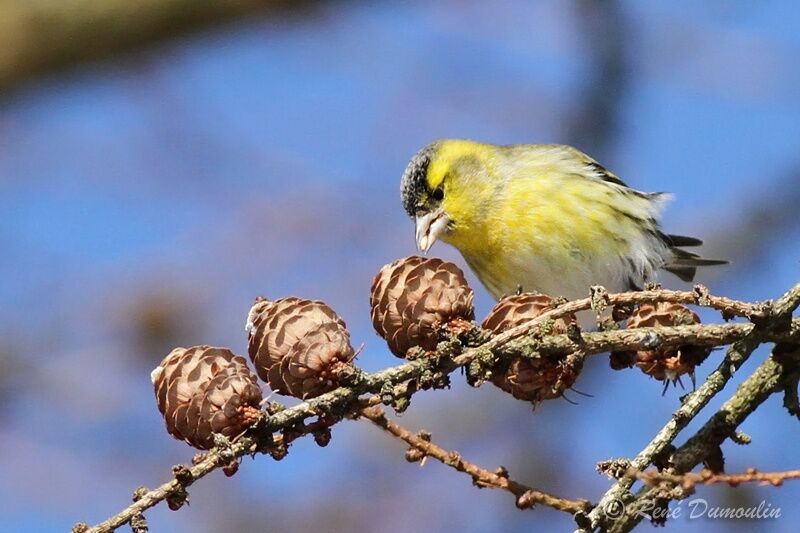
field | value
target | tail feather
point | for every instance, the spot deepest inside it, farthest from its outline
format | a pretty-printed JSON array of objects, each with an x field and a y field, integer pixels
[
  {"x": 680, "y": 240},
  {"x": 684, "y": 264},
  {"x": 684, "y": 273}
]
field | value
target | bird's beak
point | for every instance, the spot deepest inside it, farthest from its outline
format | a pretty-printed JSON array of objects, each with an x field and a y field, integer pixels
[{"x": 430, "y": 227}]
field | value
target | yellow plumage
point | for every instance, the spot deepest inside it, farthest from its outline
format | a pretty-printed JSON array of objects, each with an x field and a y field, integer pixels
[{"x": 543, "y": 217}]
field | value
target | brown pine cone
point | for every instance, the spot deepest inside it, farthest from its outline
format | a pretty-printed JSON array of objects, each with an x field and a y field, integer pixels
[
  {"x": 298, "y": 346},
  {"x": 531, "y": 380},
  {"x": 535, "y": 380},
  {"x": 663, "y": 363},
  {"x": 205, "y": 390},
  {"x": 512, "y": 311},
  {"x": 413, "y": 297}
]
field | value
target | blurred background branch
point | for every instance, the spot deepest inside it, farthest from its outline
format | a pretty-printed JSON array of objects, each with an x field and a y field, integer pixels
[
  {"x": 44, "y": 36},
  {"x": 595, "y": 120}
]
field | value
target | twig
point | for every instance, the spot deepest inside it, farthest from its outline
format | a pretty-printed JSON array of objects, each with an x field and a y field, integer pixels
[
  {"x": 689, "y": 480},
  {"x": 526, "y": 496}
]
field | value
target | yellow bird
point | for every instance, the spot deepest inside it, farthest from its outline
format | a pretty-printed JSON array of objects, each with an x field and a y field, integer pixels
[{"x": 543, "y": 217}]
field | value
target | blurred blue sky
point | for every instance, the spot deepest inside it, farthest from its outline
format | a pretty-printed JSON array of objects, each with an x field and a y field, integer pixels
[{"x": 264, "y": 158}]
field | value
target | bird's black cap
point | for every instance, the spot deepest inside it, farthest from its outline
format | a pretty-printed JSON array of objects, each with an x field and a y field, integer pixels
[{"x": 414, "y": 181}]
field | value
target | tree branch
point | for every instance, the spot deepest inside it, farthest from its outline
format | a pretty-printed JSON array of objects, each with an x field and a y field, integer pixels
[
  {"x": 694, "y": 402},
  {"x": 722, "y": 425},
  {"x": 771, "y": 323},
  {"x": 647, "y": 338}
]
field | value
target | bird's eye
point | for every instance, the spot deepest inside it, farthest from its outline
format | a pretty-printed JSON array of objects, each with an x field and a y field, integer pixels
[{"x": 438, "y": 194}]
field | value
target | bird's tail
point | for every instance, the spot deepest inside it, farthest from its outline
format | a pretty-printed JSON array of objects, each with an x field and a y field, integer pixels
[{"x": 684, "y": 264}]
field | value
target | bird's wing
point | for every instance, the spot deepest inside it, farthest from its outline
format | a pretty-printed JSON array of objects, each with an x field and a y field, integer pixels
[{"x": 600, "y": 172}]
